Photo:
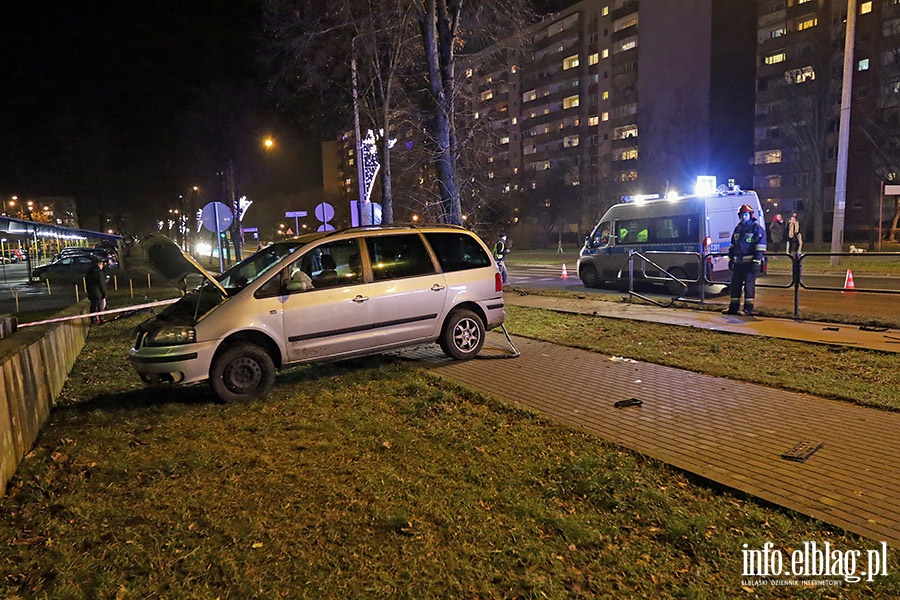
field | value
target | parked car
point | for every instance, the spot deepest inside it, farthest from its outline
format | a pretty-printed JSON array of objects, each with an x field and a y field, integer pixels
[
  {"x": 12, "y": 255},
  {"x": 66, "y": 268},
  {"x": 321, "y": 296}
]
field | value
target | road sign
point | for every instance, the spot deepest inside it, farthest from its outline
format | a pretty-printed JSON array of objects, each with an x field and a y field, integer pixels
[
  {"x": 324, "y": 212},
  {"x": 216, "y": 217},
  {"x": 295, "y": 214}
]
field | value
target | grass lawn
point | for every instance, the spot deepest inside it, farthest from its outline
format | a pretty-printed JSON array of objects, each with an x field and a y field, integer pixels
[{"x": 375, "y": 479}]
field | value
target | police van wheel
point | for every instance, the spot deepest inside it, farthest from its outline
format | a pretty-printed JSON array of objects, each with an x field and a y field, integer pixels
[
  {"x": 589, "y": 277},
  {"x": 674, "y": 287}
]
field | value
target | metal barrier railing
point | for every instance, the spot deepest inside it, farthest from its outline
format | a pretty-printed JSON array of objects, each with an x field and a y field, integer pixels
[{"x": 703, "y": 278}]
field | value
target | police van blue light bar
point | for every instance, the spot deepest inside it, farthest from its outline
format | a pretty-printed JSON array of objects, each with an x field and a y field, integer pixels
[{"x": 640, "y": 198}]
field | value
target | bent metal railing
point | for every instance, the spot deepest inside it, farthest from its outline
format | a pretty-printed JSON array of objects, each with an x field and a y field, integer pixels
[{"x": 796, "y": 280}]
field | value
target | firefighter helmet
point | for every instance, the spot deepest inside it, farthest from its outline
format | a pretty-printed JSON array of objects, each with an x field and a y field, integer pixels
[{"x": 745, "y": 208}]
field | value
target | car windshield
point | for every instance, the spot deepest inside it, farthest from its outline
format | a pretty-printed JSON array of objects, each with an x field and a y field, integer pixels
[
  {"x": 207, "y": 296},
  {"x": 254, "y": 266}
]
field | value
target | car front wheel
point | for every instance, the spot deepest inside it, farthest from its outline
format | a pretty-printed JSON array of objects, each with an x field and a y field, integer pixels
[
  {"x": 463, "y": 335},
  {"x": 242, "y": 372}
]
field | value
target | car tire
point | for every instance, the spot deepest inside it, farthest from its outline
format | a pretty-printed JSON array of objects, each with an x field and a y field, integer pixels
[
  {"x": 589, "y": 277},
  {"x": 463, "y": 335},
  {"x": 243, "y": 372}
]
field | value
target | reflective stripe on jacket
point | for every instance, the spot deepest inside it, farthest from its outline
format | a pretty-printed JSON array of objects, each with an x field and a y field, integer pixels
[{"x": 748, "y": 242}]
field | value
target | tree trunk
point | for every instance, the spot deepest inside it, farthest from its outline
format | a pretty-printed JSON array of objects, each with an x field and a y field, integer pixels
[{"x": 438, "y": 24}]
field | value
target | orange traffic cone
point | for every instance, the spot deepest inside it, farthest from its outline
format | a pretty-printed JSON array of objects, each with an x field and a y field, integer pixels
[
  {"x": 565, "y": 274},
  {"x": 848, "y": 282}
]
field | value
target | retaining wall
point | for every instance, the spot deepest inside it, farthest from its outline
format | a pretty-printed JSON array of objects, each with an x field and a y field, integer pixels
[{"x": 34, "y": 365}]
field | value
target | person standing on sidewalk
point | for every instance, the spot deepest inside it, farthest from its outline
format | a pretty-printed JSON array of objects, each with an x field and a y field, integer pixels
[
  {"x": 793, "y": 235},
  {"x": 776, "y": 232},
  {"x": 745, "y": 260},
  {"x": 95, "y": 281},
  {"x": 501, "y": 249}
]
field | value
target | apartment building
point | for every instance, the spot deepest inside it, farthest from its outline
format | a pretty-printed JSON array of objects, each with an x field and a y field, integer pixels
[
  {"x": 614, "y": 97},
  {"x": 602, "y": 99},
  {"x": 800, "y": 58}
]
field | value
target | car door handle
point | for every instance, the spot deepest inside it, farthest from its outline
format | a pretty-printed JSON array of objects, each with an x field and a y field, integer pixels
[
  {"x": 437, "y": 288},
  {"x": 360, "y": 299}
]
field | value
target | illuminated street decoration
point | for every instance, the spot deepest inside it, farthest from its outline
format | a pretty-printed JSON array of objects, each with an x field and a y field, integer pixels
[
  {"x": 243, "y": 205},
  {"x": 370, "y": 162}
]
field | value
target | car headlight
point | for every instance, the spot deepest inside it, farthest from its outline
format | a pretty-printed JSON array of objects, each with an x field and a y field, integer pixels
[{"x": 172, "y": 336}]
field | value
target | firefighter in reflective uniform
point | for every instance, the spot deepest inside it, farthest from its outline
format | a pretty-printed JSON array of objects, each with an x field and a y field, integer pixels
[{"x": 745, "y": 259}]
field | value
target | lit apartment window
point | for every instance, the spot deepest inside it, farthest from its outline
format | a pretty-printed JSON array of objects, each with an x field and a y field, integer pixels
[
  {"x": 468, "y": 73},
  {"x": 865, "y": 8},
  {"x": 593, "y": 120},
  {"x": 807, "y": 24},
  {"x": 625, "y": 131},
  {"x": 863, "y": 65},
  {"x": 605, "y": 95},
  {"x": 775, "y": 57},
  {"x": 489, "y": 79},
  {"x": 491, "y": 175},
  {"x": 630, "y": 153},
  {"x": 625, "y": 22},
  {"x": 605, "y": 53},
  {"x": 626, "y": 44},
  {"x": 777, "y": 32},
  {"x": 514, "y": 120},
  {"x": 570, "y": 102},
  {"x": 570, "y": 62},
  {"x": 529, "y": 96},
  {"x": 594, "y": 58},
  {"x": 487, "y": 95},
  {"x": 800, "y": 75},
  {"x": 767, "y": 157},
  {"x": 348, "y": 181},
  {"x": 514, "y": 69},
  {"x": 504, "y": 139},
  {"x": 490, "y": 159},
  {"x": 515, "y": 171},
  {"x": 351, "y": 162},
  {"x": 604, "y": 116},
  {"x": 570, "y": 141},
  {"x": 605, "y": 11}
]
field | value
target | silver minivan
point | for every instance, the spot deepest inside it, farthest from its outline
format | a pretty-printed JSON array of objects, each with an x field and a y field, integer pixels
[{"x": 321, "y": 296}]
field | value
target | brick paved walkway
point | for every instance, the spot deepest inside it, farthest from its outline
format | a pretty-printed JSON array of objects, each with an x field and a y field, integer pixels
[{"x": 730, "y": 432}]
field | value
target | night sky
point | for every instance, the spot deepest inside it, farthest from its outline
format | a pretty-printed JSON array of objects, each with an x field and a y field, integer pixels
[{"x": 126, "y": 105}]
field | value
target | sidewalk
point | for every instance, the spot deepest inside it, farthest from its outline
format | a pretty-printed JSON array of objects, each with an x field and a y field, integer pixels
[
  {"x": 790, "y": 329},
  {"x": 729, "y": 432}
]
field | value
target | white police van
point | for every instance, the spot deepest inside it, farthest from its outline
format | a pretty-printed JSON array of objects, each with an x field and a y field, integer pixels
[{"x": 675, "y": 233}]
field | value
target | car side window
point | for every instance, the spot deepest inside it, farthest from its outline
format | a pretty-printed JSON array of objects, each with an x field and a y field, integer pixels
[
  {"x": 395, "y": 256},
  {"x": 458, "y": 251},
  {"x": 329, "y": 265}
]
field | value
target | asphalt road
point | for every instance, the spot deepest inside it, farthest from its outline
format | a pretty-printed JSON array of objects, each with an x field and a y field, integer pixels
[
  {"x": 774, "y": 292},
  {"x": 18, "y": 295}
]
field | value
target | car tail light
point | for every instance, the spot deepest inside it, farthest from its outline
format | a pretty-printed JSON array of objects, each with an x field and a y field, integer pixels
[{"x": 498, "y": 282}]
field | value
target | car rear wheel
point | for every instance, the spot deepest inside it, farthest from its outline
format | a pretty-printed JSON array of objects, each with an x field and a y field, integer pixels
[
  {"x": 463, "y": 335},
  {"x": 242, "y": 372}
]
